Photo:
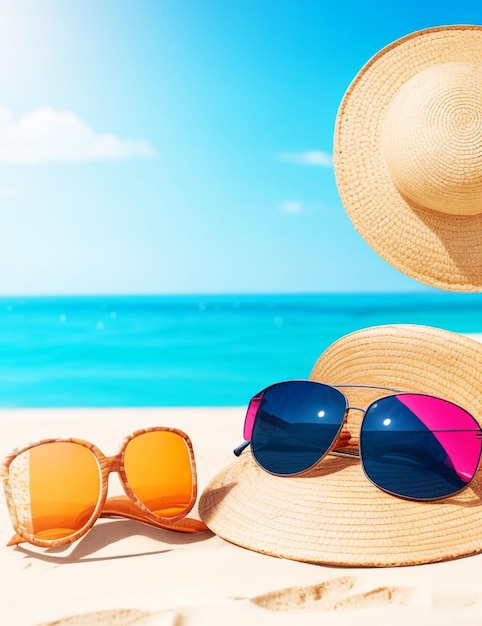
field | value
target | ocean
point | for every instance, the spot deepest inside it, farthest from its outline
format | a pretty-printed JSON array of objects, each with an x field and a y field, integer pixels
[{"x": 192, "y": 350}]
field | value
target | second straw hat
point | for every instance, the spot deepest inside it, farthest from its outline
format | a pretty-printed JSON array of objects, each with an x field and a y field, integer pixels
[
  {"x": 408, "y": 155},
  {"x": 334, "y": 514}
]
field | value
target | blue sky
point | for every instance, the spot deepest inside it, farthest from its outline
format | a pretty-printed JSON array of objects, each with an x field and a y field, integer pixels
[{"x": 184, "y": 146}]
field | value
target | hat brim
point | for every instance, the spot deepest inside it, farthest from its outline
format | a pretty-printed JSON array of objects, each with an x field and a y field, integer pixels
[
  {"x": 334, "y": 515},
  {"x": 435, "y": 248}
]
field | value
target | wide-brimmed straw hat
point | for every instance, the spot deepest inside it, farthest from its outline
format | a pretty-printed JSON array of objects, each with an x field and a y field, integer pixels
[
  {"x": 334, "y": 515},
  {"x": 408, "y": 155}
]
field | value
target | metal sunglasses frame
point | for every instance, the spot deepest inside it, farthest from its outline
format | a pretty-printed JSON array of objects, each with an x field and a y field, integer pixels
[{"x": 341, "y": 445}]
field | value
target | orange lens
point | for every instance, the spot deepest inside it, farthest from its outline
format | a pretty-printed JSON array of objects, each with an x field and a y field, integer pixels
[
  {"x": 55, "y": 487},
  {"x": 158, "y": 468}
]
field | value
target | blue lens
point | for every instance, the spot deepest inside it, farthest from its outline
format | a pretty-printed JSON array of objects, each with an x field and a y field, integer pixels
[
  {"x": 295, "y": 425},
  {"x": 419, "y": 447}
]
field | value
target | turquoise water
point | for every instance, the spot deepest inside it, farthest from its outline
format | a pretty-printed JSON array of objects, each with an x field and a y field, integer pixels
[{"x": 189, "y": 350}]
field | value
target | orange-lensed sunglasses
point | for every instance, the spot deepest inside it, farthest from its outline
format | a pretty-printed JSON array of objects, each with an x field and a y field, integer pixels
[{"x": 57, "y": 488}]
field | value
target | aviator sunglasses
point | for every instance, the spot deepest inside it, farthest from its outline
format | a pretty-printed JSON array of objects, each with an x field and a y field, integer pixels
[
  {"x": 411, "y": 445},
  {"x": 57, "y": 488}
]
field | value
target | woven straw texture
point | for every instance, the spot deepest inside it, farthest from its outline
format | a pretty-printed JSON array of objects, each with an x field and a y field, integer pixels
[
  {"x": 408, "y": 156},
  {"x": 334, "y": 515}
]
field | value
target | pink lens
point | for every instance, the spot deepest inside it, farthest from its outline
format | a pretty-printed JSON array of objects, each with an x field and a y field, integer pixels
[
  {"x": 250, "y": 415},
  {"x": 452, "y": 427}
]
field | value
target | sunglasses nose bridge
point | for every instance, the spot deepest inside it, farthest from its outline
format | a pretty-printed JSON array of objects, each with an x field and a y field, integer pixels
[
  {"x": 347, "y": 440},
  {"x": 354, "y": 408},
  {"x": 114, "y": 463}
]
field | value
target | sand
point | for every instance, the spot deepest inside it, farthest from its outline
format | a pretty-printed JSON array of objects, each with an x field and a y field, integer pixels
[{"x": 124, "y": 572}]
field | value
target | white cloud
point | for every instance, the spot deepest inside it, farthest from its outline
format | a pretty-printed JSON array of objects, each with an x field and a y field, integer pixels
[
  {"x": 316, "y": 158},
  {"x": 46, "y": 136},
  {"x": 291, "y": 206}
]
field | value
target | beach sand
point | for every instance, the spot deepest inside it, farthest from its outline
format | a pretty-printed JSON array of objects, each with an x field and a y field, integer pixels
[{"x": 124, "y": 572}]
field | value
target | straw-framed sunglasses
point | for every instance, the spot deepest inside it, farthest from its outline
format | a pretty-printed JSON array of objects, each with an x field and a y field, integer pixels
[
  {"x": 57, "y": 488},
  {"x": 412, "y": 445}
]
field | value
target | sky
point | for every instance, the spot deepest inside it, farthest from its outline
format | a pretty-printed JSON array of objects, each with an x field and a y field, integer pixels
[{"x": 185, "y": 146}]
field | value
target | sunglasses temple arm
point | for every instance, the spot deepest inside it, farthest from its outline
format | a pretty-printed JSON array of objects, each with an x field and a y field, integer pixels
[
  {"x": 113, "y": 509},
  {"x": 343, "y": 442},
  {"x": 15, "y": 540},
  {"x": 237, "y": 451},
  {"x": 123, "y": 507}
]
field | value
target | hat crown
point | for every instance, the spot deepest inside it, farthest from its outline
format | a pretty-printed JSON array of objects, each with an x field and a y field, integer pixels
[{"x": 432, "y": 139}]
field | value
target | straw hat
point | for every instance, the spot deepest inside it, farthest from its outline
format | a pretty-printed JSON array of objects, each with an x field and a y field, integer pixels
[
  {"x": 408, "y": 155},
  {"x": 334, "y": 515}
]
